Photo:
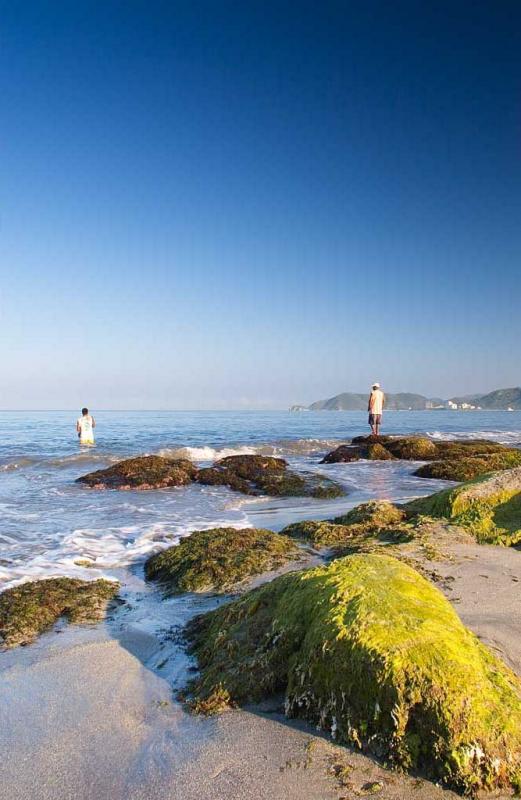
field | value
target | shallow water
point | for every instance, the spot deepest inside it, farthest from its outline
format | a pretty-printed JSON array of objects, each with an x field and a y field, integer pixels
[{"x": 49, "y": 523}]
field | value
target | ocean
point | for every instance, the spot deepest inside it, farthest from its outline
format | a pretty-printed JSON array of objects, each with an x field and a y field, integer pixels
[{"x": 51, "y": 526}]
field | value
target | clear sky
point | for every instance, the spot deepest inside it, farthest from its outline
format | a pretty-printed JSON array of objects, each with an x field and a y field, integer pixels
[{"x": 250, "y": 204}]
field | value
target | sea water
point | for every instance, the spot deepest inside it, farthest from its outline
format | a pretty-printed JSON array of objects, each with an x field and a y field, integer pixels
[{"x": 52, "y": 526}]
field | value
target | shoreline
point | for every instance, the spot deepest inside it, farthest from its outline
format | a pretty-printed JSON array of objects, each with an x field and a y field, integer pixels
[
  {"x": 108, "y": 722},
  {"x": 90, "y": 711}
]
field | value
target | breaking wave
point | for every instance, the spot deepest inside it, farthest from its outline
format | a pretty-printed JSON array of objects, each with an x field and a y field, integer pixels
[
  {"x": 282, "y": 447},
  {"x": 512, "y": 438}
]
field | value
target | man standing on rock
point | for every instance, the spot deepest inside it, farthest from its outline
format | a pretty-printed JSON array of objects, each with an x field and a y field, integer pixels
[{"x": 375, "y": 408}]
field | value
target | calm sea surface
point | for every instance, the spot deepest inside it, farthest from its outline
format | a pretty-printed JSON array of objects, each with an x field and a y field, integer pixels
[{"x": 49, "y": 523}]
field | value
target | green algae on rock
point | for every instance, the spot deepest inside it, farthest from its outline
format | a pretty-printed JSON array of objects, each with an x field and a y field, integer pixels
[
  {"x": 31, "y": 608},
  {"x": 365, "y": 519},
  {"x": 489, "y": 507},
  {"x": 373, "y": 514},
  {"x": 142, "y": 472},
  {"x": 467, "y": 468},
  {"x": 453, "y": 460},
  {"x": 258, "y": 475},
  {"x": 369, "y": 650},
  {"x": 321, "y": 533},
  {"x": 219, "y": 559}
]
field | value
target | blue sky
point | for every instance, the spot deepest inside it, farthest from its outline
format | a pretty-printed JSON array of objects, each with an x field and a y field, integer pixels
[{"x": 245, "y": 205}]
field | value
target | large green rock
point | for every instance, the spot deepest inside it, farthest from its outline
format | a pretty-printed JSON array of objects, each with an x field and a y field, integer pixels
[
  {"x": 31, "y": 608},
  {"x": 369, "y": 650},
  {"x": 489, "y": 507},
  {"x": 218, "y": 559}
]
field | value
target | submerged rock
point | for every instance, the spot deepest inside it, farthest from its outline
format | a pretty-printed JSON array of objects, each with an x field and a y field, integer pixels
[
  {"x": 258, "y": 475},
  {"x": 31, "y": 608},
  {"x": 489, "y": 507},
  {"x": 143, "y": 472},
  {"x": 219, "y": 559},
  {"x": 370, "y": 651}
]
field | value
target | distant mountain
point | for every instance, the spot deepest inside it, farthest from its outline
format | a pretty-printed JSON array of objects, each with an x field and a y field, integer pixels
[
  {"x": 349, "y": 401},
  {"x": 499, "y": 400}
]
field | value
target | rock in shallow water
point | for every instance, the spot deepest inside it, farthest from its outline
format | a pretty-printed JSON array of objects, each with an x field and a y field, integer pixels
[
  {"x": 29, "y": 609},
  {"x": 249, "y": 474},
  {"x": 451, "y": 460},
  {"x": 369, "y": 650},
  {"x": 266, "y": 475},
  {"x": 219, "y": 559},
  {"x": 142, "y": 472}
]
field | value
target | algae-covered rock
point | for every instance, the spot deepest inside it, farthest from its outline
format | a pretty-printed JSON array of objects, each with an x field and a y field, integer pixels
[
  {"x": 345, "y": 453},
  {"x": 489, "y": 507},
  {"x": 30, "y": 608},
  {"x": 266, "y": 475},
  {"x": 466, "y": 468},
  {"x": 249, "y": 466},
  {"x": 143, "y": 472},
  {"x": 420, "y": 448},
  {"x": 369, "y": 650},
  {"x": 218, "y": 559},
  {"x": 365, "y": 519},
  {"x": 412, "y": 448},
  {"x": 212, "y": 476},
  {"x": 322, "y": 533},
  {"x": 377, "y": 452},
  {"x": 373, "y": 514}
]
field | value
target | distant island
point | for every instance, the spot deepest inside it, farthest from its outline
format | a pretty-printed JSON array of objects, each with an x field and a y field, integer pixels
[{"x": 498, "y": 400}]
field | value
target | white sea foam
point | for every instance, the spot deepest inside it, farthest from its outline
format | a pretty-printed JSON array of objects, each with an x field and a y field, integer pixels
[
  {"x": 503, "y": 437},
  {"x": 283, "y": 447}
]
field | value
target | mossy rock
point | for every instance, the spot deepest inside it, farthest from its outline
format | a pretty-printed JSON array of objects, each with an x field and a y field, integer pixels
[
  {"x": 31, "y": 608},
  {"x": 412, "y": 448},
  {"x": 344, "y": 454},
  {"x": 219, "y": 559},
  {"x": 211, "y": 476},
  {"x": 372, "y": 439},
  {"x": 377, "y": 452},
  {"x": 369, "y": 650},
  {"x": 143, "y": 472},
  {"x": 489, "y": 507},
  {"x": 373, "y": 514},
  {"x": 468, "y": 448},
  {"x": 249, "y": 466},
  {"x": 366, "y": 519},
  {"x": 322, "y": 533},
  {"x": 465, "y": 469},
  {"x": 266, "y": 475}
]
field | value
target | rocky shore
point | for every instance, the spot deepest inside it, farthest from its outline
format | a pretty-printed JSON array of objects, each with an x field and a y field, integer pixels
[{"x": 349, "y": 623}]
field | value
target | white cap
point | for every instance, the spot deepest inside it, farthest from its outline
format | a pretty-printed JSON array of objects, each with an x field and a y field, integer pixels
[{"x": 376, "y": 385}]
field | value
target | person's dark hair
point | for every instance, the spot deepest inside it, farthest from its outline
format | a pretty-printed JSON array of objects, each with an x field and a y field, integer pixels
[{"x": 84, "y": 411}]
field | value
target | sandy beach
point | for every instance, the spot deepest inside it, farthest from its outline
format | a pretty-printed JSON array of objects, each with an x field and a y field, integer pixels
[{"x": 84, "y": 717}]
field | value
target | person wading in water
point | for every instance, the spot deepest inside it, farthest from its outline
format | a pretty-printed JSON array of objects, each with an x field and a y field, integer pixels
[
  {"x": 85, "y": 427},
  {"x": 375, "y": 408}
]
